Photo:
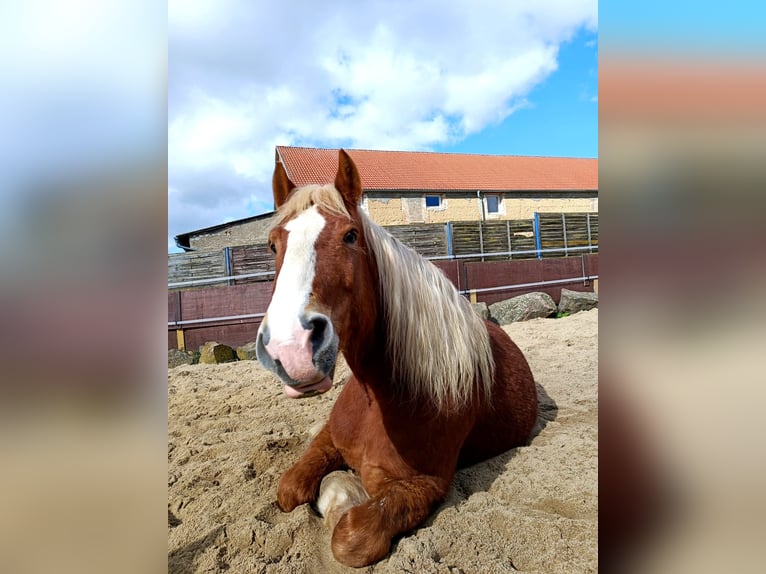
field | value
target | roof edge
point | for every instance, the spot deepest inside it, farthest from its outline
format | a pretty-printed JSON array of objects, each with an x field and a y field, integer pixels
[{"x": 430, "y": 152}]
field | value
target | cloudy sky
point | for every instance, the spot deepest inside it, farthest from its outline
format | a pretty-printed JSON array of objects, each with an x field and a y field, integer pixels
[{"x": 477, "y": 76}]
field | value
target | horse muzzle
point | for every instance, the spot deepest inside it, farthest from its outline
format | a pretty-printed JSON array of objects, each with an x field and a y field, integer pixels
[{"x": 303, "y": 357}]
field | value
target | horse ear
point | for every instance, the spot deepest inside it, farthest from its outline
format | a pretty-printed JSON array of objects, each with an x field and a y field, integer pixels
[
  {"x": 281, "y": 184},
  {"x": 347, "y": 180}
]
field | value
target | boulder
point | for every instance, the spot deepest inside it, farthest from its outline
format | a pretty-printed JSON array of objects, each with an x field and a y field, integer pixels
[
  {"x": 481, "y": 310},
  {"x": 574, "y": 301},
  {"x": 213, "y": 352},
  {"x": 247, "y": 352},
  {"x": 177, "y": 357},
  {"x": 522, "y": 308}
]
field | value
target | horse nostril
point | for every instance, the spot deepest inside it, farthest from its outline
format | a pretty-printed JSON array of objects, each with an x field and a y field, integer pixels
[{"x": 318, "y": 326}]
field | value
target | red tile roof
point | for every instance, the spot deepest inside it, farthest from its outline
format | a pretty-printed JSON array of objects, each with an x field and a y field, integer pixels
[{"x": 384, "y": 170}]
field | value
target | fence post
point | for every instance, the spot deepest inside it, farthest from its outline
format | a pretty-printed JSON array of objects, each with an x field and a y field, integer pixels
[
  {"x": 508, "y": 231},
  {"x": 227, "y": 264},
  {"x": 180, "y": 339},
  {"x": 590, "y": 243},
  {"x": 536, "y": 226},
  {"x": 564, "y": 233},
  {"x": 481, "y": 239},
  {"x": 448, "y": 233}
]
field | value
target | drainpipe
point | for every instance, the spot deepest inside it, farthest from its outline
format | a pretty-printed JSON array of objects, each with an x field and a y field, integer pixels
[{"x": 481, "y": 204}]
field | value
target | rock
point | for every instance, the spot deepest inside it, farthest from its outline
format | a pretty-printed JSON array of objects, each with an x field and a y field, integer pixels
[
  {"x": 481, "y": 310},
  {"x": 213, "y": 352},
  {"x": 177, "y": 357},
  {"x": 574, "y": 301},
  {"x": 522, "y": 308},
  {"x": 247, "y": 352}
]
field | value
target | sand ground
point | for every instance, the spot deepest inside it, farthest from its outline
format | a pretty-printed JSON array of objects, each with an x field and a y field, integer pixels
[{"x": 232, "y": 432}]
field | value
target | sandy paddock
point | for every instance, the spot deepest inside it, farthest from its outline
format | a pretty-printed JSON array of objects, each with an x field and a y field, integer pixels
[{"x": 232, "y": 432}]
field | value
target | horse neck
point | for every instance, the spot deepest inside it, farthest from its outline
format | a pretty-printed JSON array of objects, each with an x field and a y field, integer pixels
[{"x": 364, "y": 346}]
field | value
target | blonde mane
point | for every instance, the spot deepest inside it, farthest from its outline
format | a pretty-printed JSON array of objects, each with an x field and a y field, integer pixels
[{"x": 438, "y": 345}]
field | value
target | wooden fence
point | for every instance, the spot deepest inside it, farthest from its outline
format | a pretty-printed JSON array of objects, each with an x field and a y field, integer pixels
[
  {"x": 472, "y": 237},
  {"x": 428, "y": 239},
  {"x": 566, "y": 231},
  {"x": 232, "y": 314},
  {"x": 195, "y": 265},
  {"x": 547, "y": 235}
]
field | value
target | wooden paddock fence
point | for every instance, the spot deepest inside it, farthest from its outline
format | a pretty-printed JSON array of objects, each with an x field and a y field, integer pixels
[{"x": 546, "y": 235}]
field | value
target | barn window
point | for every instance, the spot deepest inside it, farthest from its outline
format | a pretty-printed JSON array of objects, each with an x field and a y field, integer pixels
[
  {"x": 493, "y": 204},
  {"x": 433, "y": 201}
]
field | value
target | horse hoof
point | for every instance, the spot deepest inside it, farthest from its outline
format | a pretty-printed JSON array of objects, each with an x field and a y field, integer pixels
[
  {"x": 358, "y": 539},
  {"x": 338, "y": 492}
]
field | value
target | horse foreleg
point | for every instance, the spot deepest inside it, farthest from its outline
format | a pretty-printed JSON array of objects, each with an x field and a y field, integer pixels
[
  {"x": 300, "y": 484},
  {"x": 363, "y": 534}
]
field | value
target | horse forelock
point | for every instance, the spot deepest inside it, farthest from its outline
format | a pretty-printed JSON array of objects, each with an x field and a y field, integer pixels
[
  {"x": 325, "y": 197},
  {"x": 438, "y": 345}
]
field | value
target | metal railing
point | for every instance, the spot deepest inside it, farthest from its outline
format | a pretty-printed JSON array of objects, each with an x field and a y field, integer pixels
[{"x": 584, "y": 279}]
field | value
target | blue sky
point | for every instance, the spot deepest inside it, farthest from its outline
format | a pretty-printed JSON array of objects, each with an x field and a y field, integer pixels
[
  {"x": 561, "y": 118},
  {"x": 474, "y": 76}
]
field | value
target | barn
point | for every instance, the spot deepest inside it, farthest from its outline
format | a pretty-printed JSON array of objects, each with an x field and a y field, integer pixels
[{"x": 404, "y": 187}]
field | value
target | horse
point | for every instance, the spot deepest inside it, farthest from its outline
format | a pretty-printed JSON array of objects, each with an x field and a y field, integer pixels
[{"x": 433, "y": 387}]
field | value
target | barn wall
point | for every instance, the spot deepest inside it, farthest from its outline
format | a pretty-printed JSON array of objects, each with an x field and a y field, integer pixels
[
  {"x": 247, "y": 233},
  {"x": 525, "y": 208},
  {"x": 411, "y": 207},
  {"x": 386, "y": 211}
]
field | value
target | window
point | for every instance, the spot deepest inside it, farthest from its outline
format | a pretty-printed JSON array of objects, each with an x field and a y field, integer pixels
[
  {"x": 493, "y": 204},
  {"x": 433, "y": 201}
]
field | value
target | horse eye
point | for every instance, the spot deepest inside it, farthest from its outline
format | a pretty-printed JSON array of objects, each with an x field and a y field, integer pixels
[
  {"x": 273, "y": 247},
  {"x": 350, "y": 237}
]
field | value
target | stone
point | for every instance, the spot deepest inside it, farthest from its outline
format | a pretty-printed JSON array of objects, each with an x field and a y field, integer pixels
[
  {"x": 177, "y": 357},
  {"x": 213, "y": 352},
  {"x": 481, "y": 310},
  {"x": 523, "y": 308},
  {"x": 575, "y": 301},
  {"x": 247, "y": 352}
]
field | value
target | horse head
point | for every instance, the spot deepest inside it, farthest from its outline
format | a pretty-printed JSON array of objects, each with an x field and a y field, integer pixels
[{"x": 321, "y": 279}]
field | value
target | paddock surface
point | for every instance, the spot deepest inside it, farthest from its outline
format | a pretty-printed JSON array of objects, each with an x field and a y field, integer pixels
[{"x": 232, "y": 432}]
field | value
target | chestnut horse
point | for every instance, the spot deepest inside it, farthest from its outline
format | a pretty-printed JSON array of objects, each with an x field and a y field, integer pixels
[{"x": 432, "y": 386}]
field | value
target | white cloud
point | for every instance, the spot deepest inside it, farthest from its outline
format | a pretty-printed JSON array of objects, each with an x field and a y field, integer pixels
[{"x": 246, "y": 76}]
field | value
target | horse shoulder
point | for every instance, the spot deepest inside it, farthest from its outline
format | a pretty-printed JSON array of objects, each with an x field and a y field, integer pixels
[{"x": 349, "y": 421}]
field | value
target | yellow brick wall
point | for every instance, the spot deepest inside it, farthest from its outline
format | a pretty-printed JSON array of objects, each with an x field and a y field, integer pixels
[
  {"x": 385, "y": 211},
  {"x": 392, "y": 212},
  {"x": 456, "y": 209},
  {"x": 525, "y": 208}
]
